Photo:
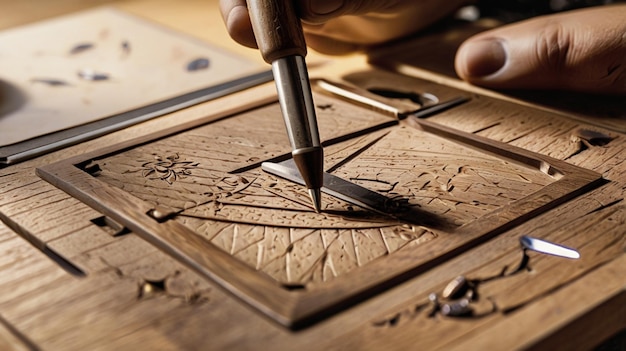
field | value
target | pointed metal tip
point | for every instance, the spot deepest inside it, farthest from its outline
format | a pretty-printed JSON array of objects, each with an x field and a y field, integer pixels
[{"x": 316, "y": 198}]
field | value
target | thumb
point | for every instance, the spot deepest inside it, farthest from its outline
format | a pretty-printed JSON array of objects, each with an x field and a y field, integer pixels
[{"x": 582, "y": 50}]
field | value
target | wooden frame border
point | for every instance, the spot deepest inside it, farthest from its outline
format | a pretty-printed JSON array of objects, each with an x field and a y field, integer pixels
[{"x": 295, "y": 308}]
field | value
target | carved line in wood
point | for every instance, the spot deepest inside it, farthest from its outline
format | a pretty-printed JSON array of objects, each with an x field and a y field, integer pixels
[
  {"x": 460, "y": 187},
  {"x": 262, "y": 227}
]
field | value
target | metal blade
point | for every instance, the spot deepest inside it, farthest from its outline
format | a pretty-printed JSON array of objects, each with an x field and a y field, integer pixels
[
  {"x": 430, "y": 110},
  {"x": 547, "y": 247},
  {"x": 335, "y": 186},
  {"x": 357, "y": 195},
  {"x": 37, "y": 146}
]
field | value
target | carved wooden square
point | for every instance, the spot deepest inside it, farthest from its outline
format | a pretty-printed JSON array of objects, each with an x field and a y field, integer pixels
[{"x": 198, "y": 193}]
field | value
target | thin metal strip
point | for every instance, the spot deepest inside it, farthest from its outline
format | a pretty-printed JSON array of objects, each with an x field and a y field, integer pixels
[
  {"x": 547, "y": 247},
  {"x": 31, "y": 148},
  {"x": 334, "y": 186},
  {"x": 357, "y": 195}
]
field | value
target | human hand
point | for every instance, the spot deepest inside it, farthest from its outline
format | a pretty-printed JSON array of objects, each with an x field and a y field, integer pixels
[
  {"x": 339, "y": 27},
  {"x": 582, "y": 50}
]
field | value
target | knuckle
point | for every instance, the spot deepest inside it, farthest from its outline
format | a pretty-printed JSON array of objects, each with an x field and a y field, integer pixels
[
  {"x": 591, "y": 63},
  {"x": 553, "y": 47},
  {"x": 613, "y": 73}
]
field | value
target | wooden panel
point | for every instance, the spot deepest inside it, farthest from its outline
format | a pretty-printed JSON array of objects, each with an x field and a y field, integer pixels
[
  {"x": 197, "y": 193},
  {"x": 102, "y": 309},
  {"x": 20, "y": 263}
]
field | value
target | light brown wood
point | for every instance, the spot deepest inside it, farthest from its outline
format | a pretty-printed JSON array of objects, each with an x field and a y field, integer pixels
[
  {"x": 529, "y": 327},
  {"x": 134, "y": 296},
  {"x": 311, "y": 258}
]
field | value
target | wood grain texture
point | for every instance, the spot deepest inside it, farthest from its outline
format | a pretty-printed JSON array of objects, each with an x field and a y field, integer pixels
[
  {"x": 562, "y": 307},
  {"x": 546, "y": 276},
  {"x": 264, "y": 223},
  {"x": 372, "y": 311},
  {"x": 102, "y": 310},
  {"x": 12, "y": 338}
]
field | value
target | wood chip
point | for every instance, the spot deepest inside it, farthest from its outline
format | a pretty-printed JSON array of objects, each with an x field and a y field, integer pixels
[
  {"x": 456, "y": 288},
  {"x": 593, "y": 137},
  {"x": 456, "y": 309}
]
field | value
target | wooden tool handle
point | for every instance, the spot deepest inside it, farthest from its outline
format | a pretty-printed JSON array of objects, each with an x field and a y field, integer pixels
[{"x": 277, "y": 29}]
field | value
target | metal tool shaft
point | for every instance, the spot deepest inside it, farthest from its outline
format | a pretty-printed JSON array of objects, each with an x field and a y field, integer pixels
[
  {"x": 296, "y": 102},
  {"x": 281, "y": 41}
]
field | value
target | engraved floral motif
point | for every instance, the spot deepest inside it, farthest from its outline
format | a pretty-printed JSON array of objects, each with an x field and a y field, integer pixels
[{"x": 168, "y": 169}]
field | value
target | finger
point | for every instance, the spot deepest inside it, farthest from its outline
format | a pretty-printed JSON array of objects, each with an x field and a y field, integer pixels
[
  {"x": 319, "y": 11},
  {"x": 380, "y": 22},
  {"x": 330, "y": 46},
  {"x": 237, "y": 20},
  {"x": 582, "y": 50}
]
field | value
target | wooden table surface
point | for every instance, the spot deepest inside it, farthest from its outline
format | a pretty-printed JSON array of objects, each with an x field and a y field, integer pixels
[{"x": 131, "y": 295}]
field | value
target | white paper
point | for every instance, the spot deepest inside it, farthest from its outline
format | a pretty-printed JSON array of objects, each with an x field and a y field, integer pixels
[{"x": 150, "y": 67}]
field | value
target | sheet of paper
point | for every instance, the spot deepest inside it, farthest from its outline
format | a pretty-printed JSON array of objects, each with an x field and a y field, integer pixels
[{"x": 135, "y": 63}]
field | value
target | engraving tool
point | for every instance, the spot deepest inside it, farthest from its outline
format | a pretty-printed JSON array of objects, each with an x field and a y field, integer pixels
[{"x": 280, "y": 39}]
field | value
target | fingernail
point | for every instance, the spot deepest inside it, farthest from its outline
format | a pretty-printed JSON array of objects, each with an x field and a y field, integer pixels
[
  {"x": 484, "y": 57},
  {"x": 324, "y": 7}
]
